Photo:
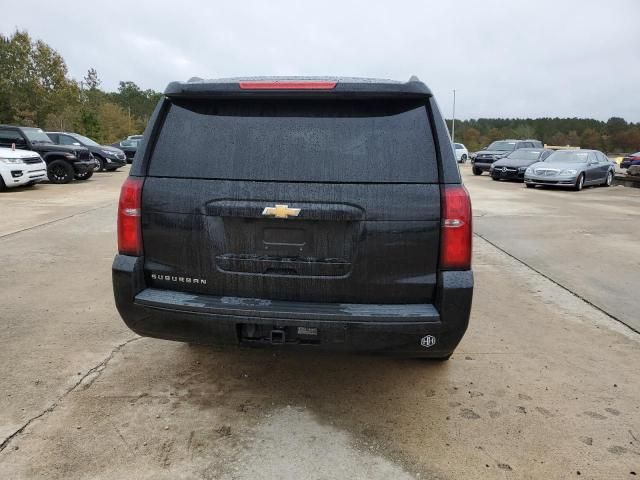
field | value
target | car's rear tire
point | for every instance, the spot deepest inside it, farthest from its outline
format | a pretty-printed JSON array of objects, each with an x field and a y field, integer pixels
[
  {"x": 477, "y": 171},
  {"x": 59, "y": 172},
  {"x": 463, "y": 158},
  {"x": 529, "y": 185},
  {"x": 609, "y": 180},
  {"x": 579, "y": 183},
  {"x": 84, "y": 176}
]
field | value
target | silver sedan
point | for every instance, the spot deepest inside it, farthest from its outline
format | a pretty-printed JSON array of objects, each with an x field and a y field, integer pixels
[{"x": 571, "y": 168}]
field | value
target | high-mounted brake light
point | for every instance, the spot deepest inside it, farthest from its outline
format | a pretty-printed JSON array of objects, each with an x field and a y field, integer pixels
[
  {"x": 287, "y": 85},
  {"x": 456, "y": 243},
  {"x": 129, "y": 227}
]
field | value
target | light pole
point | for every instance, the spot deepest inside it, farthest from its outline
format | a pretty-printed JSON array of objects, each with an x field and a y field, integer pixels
[{"x": 453, "y": 121}]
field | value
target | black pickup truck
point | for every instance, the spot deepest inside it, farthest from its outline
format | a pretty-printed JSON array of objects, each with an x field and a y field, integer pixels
[
  {"x": 300, "y": 213},
  {"x": 64, "y": 162}
]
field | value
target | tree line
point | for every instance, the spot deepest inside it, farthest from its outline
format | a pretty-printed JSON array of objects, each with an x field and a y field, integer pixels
[
  {"x": 614, "y": 135},
  {"x": 36, "y": 90}
]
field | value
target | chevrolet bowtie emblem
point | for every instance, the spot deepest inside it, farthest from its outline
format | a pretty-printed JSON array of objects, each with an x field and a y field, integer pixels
[{"x": 281, "y": 211}]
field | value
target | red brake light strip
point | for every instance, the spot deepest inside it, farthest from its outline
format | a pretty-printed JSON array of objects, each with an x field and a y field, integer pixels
[{"x": 288, "y": 85}]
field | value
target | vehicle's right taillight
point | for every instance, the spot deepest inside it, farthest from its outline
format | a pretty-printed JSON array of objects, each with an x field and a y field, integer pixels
[
  {"x": 129, "y": 210},
  {"x": 455, "y": 244}
]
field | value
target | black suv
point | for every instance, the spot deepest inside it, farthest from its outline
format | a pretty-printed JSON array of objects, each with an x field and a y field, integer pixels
[
  {"x": 483, "y": 159},
  {"x": 64, "y": 163},
  {"x": 318, "y": 214},
  {"x": 107, "y": 157}
]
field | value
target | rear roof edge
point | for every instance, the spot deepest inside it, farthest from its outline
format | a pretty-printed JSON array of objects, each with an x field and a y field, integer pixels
[{"x": 345, "y": 86}]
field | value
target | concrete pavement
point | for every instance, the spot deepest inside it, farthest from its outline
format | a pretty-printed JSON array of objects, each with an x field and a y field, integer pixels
[{"x": 587, "y": 241}]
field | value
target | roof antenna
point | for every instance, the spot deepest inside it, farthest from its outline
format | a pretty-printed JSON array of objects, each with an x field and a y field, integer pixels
[{"x": 414, "y": 78}]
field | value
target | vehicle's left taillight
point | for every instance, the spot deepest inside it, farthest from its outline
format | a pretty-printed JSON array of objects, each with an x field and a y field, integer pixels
[{"x": 129, "y": 210}]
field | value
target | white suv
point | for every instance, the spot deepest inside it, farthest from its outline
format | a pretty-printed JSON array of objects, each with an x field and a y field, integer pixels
[
  {"x": 20, "y": 167},
  {"x": 461, "y": 152}
]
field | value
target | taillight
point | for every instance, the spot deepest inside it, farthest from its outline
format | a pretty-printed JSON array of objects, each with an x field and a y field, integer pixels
[
  {"x": 287, "y": 85},
  {"x": 455, "y": 245},
  {"x": 129, "y": 228}
]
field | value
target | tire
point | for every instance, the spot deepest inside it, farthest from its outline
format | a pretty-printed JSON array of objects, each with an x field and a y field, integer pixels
[
  {"x": 495, "y": 178},
  {"x": 100, "y": 167},
  {"x": 60, "y": 172},
  {"x": 579, "y": 183},
  {"x": 3, "y": 187},
  {"x": 463, "y": 158},
  {"x": 609, "y": 180},
  {"x": 84, "y": 176},
  {"x": 529, "y": 185},
  {"x": 477, "y": 171}
]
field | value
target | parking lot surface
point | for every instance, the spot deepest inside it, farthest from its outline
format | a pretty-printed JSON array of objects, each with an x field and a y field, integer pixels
[
  {"x": 586, "y": 241},
  {"x": 544, "y": 385}
]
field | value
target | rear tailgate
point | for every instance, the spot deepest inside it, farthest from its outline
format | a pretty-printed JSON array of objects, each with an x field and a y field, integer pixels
[{"x": 294, "y": 199}]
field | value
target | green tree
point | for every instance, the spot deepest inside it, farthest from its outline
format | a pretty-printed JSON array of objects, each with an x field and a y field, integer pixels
[
  {"x": 573, "y": 139},
  {"x": 524, "y": 130},
  {"x": 34, "y": 80},
  {"x": 591, "y": 138},
  {"x": 558, "y": 139},
  {"x": 113, "y": 122},
  {"x": 137, "y": 103}
]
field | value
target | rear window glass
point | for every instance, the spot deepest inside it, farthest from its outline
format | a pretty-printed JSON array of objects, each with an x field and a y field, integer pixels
[{"x": 296, "y": 140}]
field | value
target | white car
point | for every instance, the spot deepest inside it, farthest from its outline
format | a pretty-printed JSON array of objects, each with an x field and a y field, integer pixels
[
  {"x": 461, "y": 152},
  {"x": 20, "y": 167}
]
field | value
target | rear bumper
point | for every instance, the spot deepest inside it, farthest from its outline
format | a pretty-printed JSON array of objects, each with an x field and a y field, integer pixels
[{"x": 407, "y": 330}]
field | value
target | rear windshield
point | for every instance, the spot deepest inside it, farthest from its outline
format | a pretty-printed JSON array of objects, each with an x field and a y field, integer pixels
[{"x": 296, "y": 140}]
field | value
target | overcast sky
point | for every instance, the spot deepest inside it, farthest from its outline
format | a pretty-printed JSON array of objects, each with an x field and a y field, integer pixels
[{"x": 513, "y": 58}]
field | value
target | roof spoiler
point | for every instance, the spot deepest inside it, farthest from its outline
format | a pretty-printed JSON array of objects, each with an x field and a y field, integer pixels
[{"x": 318, "y": 87}]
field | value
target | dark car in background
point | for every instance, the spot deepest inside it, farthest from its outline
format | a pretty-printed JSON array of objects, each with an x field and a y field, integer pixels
[
  {"x": 359, "y": 240},
  {"x": 633, "y": 159},
  {"x": 129, "y": 146},
  {"x": 64, "y": 162},
  {"x": 513, "y": 166},
  {"x": 107, "y": 157},
  {"x": 483, "y": 159}
]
